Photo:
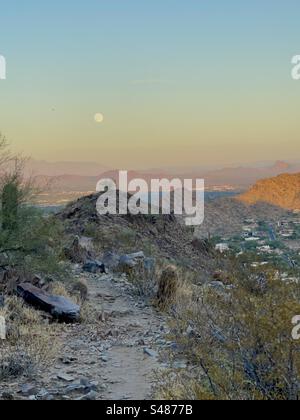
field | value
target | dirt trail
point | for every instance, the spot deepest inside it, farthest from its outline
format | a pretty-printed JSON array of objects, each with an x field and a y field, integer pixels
[
  {"x": 134, "y": 337},
  {"x": 113, "y": 359}
]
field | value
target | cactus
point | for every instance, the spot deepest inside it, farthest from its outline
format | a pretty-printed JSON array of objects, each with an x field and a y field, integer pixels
[{"x": 10, "y": 204}]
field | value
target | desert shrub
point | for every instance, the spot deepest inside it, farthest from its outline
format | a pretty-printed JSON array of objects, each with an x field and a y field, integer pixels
[
  {"x": 115, "y": 237},
  {"x": 168, "y": 284},
  {"x": 161, "y": 282},
  {"x": 81, "y": 290},
  {"x": 89, "y": 315},
  {"x": 237, "y": 342},
  {"x": 10, "y": 204},
  {"x": 35, "y": 247},
  {"x": 30, "y": 343},
  {"x": 145, "y": 276},
  {"x": 126, "y": 237},
  {"x": 145, "y": 281},
  {"x": 30, "y": 241}
]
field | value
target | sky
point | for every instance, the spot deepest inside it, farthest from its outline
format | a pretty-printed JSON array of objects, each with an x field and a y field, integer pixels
[{"x": 177, "y": 83}]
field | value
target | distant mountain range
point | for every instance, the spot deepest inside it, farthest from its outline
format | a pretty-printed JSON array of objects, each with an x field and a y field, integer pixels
[
  {"x": 243, "y": 177},
  {"x": 282, "y": 191},
  {"x": 51, "y": 169},
  {"x": 83, "y": 177}
]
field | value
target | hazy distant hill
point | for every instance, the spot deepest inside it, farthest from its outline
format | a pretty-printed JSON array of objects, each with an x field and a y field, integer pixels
[
  {"x": 245, "y": 176},
  {"x": 41, "y": 167},
  {"x": 77, "y": 178},
  {"x": 282, "y": 191}
]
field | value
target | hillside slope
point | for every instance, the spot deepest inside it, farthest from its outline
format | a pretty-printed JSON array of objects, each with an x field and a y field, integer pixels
[
  {"x": 282, "y": 191},
  {"x": 226, "y": 216},
  {"x": 162, "y": 236}
]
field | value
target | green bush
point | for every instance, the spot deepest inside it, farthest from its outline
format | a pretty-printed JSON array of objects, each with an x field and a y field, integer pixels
[{"x": 30, "y": 241}]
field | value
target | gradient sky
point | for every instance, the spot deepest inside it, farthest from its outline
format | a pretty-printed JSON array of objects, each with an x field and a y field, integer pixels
[{"x": 179, "y": 82}]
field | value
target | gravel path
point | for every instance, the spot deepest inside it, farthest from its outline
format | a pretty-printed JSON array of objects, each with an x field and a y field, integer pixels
[{"x": 111, "y": 360}]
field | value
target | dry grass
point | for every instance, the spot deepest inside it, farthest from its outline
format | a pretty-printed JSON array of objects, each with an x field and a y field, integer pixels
[
  {"x": 165, "y": 284},
  {"x": 60, "y": 289},
  {"x": 30, "y": 342},
  {"x": 168, "y": 285},
  {"x": 80, "y": 288},
  {"x": 77, "y": 291},
  {"x": 89, "y": 315}
]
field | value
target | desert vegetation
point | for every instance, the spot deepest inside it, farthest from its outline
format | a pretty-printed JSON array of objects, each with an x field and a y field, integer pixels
[
  {"x": 30, "y": 245},
  {"x": 236, "y": 340},
  {"x": 30, "y": 342}
]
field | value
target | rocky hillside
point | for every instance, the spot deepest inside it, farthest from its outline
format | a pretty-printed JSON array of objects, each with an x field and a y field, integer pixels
[
  {"x": 158, "y": 236},
  {"x": 226, "y": 216},
  {"x": 282, "y": 191}
]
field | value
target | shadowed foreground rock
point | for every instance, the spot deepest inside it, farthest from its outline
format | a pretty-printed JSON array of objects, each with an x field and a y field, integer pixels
[{"x": 58, "y": 306}]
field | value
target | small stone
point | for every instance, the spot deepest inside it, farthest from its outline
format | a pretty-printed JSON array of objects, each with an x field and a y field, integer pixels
[
  {"x": 65, "y": 377},
  {"x": 84, "y": 382},
  {"x": 180, "y": 365},
  {"x": 7, "y": 396},
  {"x": 190, "y": 330},
  {"x": 49, "y": 397},
  {"x": 28, "y": 389},
  {"x": 150, "y": 352},
  {"x": 94, "y": 267},
  {"x": 43, "y": 393},
  {"x": 91, "y": 396},
  {"x": 74, "y": 388},
  {"x": 67, "y": 360}
]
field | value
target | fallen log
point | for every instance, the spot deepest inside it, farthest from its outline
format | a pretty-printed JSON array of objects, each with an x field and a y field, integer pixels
[{"x": 59, "y": 307}]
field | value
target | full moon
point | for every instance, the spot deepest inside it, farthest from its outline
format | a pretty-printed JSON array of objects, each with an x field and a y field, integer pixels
[{"x": 99, "y": 118}]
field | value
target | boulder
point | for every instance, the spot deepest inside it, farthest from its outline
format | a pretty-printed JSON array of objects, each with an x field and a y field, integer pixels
[
  {"x": 38, "y": 281},
  {"x": 2, "y": 300},
  {"x": 150, "y": 265},
  {"x": 124, "y": 263},
  {"x": 94, "y": 267},
  {"x": 58, "y": 306},
  {"x": 137, "y": 256},
  {"x": 111, "y": 260},
  {"x": 217, "y": 285},
  {"x": 128, "y": 262}
]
